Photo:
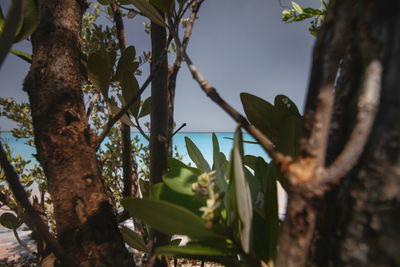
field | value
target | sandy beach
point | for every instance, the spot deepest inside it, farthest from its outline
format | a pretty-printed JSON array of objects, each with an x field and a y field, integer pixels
[{"x": 9, "y": 247}]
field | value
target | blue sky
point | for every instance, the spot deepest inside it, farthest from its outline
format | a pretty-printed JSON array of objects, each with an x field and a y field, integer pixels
[{"x": 239, "y": 46}]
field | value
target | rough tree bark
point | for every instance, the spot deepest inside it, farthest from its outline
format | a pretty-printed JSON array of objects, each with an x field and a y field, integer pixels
[
  {"x": 86, "y": 226},
  {"x": 353, "y": 221},
  {"x": 359, "y": 225},
  {"x": 159, "y": 125}
]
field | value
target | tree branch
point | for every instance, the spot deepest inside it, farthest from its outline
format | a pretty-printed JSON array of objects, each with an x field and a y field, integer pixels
[
  {"x": 141, "y": 130},
  {"x": 177, "y": 130},
  {"x": 367, "y": 107},
  {"x": 37, "y": 224}
]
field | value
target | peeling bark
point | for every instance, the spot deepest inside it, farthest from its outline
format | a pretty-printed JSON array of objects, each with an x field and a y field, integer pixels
[{"x": 86, "y": 226}]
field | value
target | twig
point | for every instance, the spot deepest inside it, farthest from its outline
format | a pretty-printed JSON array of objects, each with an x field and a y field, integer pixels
[
  {"x": 94, "y": 100},
  {"x": 37, "y": 224},
  {"x": 141, "y": 130},
  {"x": 130, "y": 9},
  {"x": 367, "y": 107},
  {"x": 180, "y": 128},
  {"x": 211, "y": 92},
  {"x": 22, "y": 243}
]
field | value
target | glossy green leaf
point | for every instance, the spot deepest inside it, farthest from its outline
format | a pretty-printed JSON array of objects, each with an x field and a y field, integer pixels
[
  {"x": 99, "y": 72},
  {"x": 10, "y": 28},
  {"x": 193, "y": 203},
  {"x": 297, "y": 7},
  {"x": 130, "y": 88},
  {"x": 30, "y": 20},
  {"x": 196, "y": 156},
  {"x": 180, "y": 180},
  {"x": 133, "y": 239},
  {"x": 270, "y": 205},
  {"x": 149, "y": 11},
  {"x": 124, "y": 119},
  {"x": 175, "y": 242},
  {"x": 289, "y": 132},
  {"x": 126, "y": 63},
  {"x": 168, "y": 218},
  {"x": 9, "y": 221},
  {"x": 242, "y": 192},
  {"x": 284, "y": 104},
  {"x": 2, "y": 21},
  {"x": 146, "y": 108},
  {"x": 194, "y": 249}
]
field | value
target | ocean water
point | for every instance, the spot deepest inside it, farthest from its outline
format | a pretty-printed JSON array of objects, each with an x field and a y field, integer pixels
[{"x": 202, "y": 140}]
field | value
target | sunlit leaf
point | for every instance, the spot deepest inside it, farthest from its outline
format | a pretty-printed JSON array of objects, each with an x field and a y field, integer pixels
[
  {"x": 196, "y": 156},
  {"x": 193, "y": 203},
  {"x": 133, "y": 239},
  {"x": 168, "y": 218},
  {"x": 242, "y": 192},
  {"x": 297, "y": 7},
  {"x": 180, "y": 180}
]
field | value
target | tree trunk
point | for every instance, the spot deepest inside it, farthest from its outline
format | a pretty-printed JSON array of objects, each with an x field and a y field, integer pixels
[
  {"x": 360, "y": 222},
  {"x": 85, "y": 221},
  {"x": 355, "y": 223},
  {"x": 159, "y": 125}
]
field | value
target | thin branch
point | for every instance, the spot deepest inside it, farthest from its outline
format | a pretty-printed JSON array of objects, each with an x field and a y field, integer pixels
[
  {"x": 94, "y": 100},
  {"x": 180, "y": 128},
  {"x": 22, "y": 244},
  {"x": 211, "y": 92},
  {"x": 115, "y": 118},
  {"x": 141, "y": 130},
  {"x": 37, "y": 223},
  {"x": 131, "y": 9},
  {"x": 367, "y": 108}
]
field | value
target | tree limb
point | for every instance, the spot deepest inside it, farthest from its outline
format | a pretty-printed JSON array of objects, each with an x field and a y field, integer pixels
[
  {"x": 367, "y": 107},
  {"x": 177, "y": 130},
  {"x": 37, "y": 224},
  {"x": 141, "y": 130}
]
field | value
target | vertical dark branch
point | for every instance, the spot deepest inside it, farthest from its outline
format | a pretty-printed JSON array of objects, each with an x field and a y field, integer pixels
[{"x": 159, "y": 124}]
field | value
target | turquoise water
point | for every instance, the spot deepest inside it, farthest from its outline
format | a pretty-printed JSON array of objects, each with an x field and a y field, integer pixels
[{"x": 202, "y": 140}]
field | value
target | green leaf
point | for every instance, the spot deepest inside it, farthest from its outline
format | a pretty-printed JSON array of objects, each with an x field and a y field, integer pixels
[
  {"x": 144, "y": 188},
  {"x": 196, "y": 156},
  {"x": 194, "y": 249},
  {"x": 9, "y": 221},
  {"x": 124, "y": 119},
  {"x": 126, "y": 63},
  {"x": 215, "y": 151},
  {"x": 250, "y": 161},
  {"x": 10, "y": 28},
  {"x": 262, "y": 115},
  {"x": 99, "y": 72},
  {"x": 168, "y": 218},
  {"x": 270, "y": 205},
  {"x": 146, "y": 108},
  {"x": 242, "y": 192},
  {"x": 164, "y": 5},
  {"x": 204, "y": 252},
  {"x": 180, "y": 180},
  {"x": 193, "y": 203},
  {"x": 30, "y": 20},
  {"x": 22, "y": 55},
  {"x": 130, "y": 88},
  {"x": 149, "y": 11},
  {"x": 133, "y": 239},
  {"x": 105, "y": 2},
  {"x": 297, "y": 7},
  {"x": 284, "y": 104}
]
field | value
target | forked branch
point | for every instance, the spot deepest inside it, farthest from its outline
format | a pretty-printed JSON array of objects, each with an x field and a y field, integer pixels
[{"x": 368, "y": 103}]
